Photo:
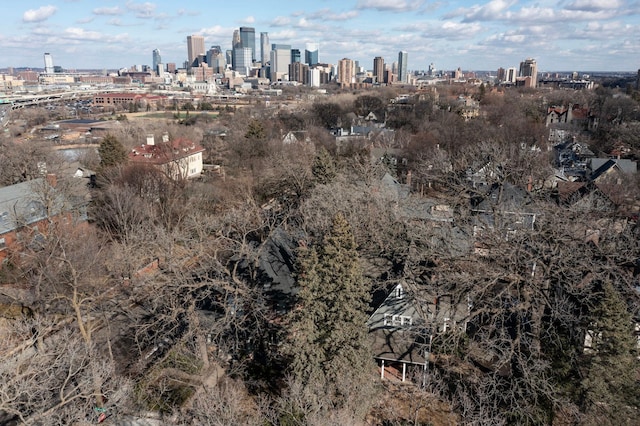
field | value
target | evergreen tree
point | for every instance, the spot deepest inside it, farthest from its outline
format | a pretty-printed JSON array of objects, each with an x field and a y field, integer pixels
[
  {"x": 611, "y": 385},
  {"x": 111, "y": 152},
  {"x": 255, "y": 131},
  {"x": 323, "y": 168},
  {"x": 329, "y": 344}
]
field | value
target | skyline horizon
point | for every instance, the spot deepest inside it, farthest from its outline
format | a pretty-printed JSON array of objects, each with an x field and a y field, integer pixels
[{"x": 597, "y": 35}]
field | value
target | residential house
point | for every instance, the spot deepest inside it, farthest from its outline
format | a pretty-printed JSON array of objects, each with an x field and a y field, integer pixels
[
  {"x": 27, "y": 209},
  {"x": 404, "y": 325},
  {"x": 178, "y": 159},
  {"x": 611, "y": 170},
  {"x": 503, "y": 206}
]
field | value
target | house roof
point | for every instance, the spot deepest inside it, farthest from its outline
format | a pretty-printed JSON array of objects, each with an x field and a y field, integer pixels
[
  {"x": 393, "y": 336},
  {"x": 22, "y": 204},
  {"x": 601, "y": 166},
  {"x": 164, "y": 152}
]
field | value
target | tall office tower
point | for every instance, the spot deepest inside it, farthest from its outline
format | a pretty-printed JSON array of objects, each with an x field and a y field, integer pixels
[
  {"x": 511, "y": 75},
  {"x": 248, "y": 39},
  {"x": 378, "y": 69},
  {"x": 243, "y": 60},
  {"x": 265, "y": 48},
  {"x": 313, "y": 77},
  {"x": 236, "y": 41},
  {"x": 501, "y": 74},
  {"x": 529, "y": 68},
  {"x": 402, "y": 66},
  {"x": 298, "y": 72},
  {"x": 48, "y": 63},
  {"x": 157, "y": 59},
  {"x": 195, "y": 47},
  {"x": 346, "y": 71},
  {"x": 216, "y": 59},
  {"x": 280, "y": 60},
  {"x": 295, "y": 55},
  {"x": 311, "y": 54},
  {"x": 432, "y": 69}
]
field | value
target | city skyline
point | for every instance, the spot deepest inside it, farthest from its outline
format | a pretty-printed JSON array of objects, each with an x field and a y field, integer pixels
[{"x": 578, "y": 35}]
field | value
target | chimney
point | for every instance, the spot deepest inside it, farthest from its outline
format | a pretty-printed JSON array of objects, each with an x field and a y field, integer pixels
[
  {"x": 409, "y": 179},
  {"x": 51, "y": 179},
  {"x": 150, "y": 140},
  {"x": 530, "y": 184}
]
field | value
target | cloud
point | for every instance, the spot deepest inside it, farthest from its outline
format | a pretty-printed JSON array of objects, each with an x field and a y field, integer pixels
[
  {"x": 594, "y": 5},
  {"x": 85, "y": 20},
  {"x": 142, "y": 10},
  {"x": 530, "y": 15},
  {"x": 248, "y": 20},
  {"x": 108, "y": 11},
  {"x": 448, "y": 30},
  {"x": 40, "y": 14},
  {"x": 280, "y": 21},
  {"x": 486, "y": 12},
  {"x": 390, "y": 6},
  {"x": 328, "y": 15}
]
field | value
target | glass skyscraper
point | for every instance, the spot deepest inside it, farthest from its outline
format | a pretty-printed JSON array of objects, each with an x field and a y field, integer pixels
[
  {"x": 402, "y": 66},
  {"x": 248, "y": 39}
]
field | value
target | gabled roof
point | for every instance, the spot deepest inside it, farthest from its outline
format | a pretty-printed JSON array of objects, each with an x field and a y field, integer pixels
[
  {"x": 394, "y": 328},
  {"x": 164, "y": 152},
  {"x": 602, "y": 166},
  {"x": 24, "y": 203}
]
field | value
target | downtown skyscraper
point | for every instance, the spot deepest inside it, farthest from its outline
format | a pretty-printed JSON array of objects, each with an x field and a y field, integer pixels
[
  {"x": 156, "y": 59},
  {"x": 378, "y": 69},
  {"x": 195, "y": 48},
  {"x": 402, "y": 66},
  {"x": 248, "y": 39},
  {"x": 311, "y": 54},
  {"x": 265, "y": 48}
]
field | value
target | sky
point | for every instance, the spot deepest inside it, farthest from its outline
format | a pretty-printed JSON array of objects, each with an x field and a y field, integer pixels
[{"x": 561, "y": 35}]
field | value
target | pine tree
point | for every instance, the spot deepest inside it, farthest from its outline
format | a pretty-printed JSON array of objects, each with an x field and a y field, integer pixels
[
  {"x": 329, "y": 344},
  {"x": 111, "y": 152},
  {"x": 610, "y": 386},
  {"x": 323, "y": 168},
  {"x": 255, "y": 131}
]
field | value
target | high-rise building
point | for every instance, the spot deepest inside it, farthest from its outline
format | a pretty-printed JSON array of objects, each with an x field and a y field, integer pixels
[
  {"x": 157, "y": 59},
  {"x": 529, "y": 68},
  {"x": 216, "y": 59},
  {"x": 48, "y": 63},
  {"x": 511, "y": 75},
  {"x": 280, "y": 60},
  {"x": 248, "y": 39},
  {"x": 402, "y": 66},
  {"x": 298, "y": 72},
  {"x": 195, "y": 47},
  {"x": 295, "y": 55},
  {"x": 378, "y": 69},
  {"x": 313, "y": 77},
  {"x": 346, "y": 71},
  {"x": 432, "y": 69},
  {"x": 265, "y": 48},
  {"x": 311, "y": 54},
  {"x": 243, "y": 60}
]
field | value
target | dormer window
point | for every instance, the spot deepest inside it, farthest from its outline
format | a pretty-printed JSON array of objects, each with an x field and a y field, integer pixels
[{"x": 399, "y": 292}]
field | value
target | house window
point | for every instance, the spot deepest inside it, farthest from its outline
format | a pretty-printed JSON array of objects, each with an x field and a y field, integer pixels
[
  {"x": 397, "y": 320},
  {"x": 399, "y": 292},
  {"x": 3, "y": 243}
]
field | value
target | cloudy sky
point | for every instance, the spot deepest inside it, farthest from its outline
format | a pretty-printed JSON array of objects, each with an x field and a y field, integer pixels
[{"x": 562, "y": 35}]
